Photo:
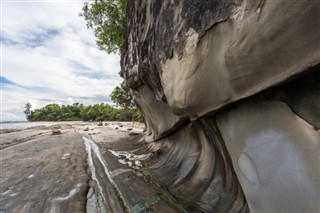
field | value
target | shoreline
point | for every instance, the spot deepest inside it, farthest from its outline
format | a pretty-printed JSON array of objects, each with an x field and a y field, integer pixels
[
  {"x": 46, "y": 172},
  {"x": 85, "y": 167}
]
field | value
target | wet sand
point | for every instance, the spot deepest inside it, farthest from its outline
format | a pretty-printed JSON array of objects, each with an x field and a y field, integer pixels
[{"x": 45, "y": 172}]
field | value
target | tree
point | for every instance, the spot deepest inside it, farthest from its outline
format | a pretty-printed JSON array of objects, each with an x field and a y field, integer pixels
[
  {"x": 107, "y": 19},
  {"x": 77, "y": 112},
  {"x": 52, "y": 112},
  {"x": 27, "y": 111},
  {"x": 122, "y": 96}
]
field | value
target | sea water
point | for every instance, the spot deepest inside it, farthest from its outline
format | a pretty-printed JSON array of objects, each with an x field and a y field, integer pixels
[{"x": 26, "y": 124}]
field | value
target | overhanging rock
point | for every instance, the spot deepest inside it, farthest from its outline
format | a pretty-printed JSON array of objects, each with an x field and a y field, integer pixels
[{"x": 243, "y": 74}]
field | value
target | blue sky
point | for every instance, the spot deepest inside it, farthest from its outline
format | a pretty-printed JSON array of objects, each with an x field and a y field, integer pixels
[{"x": 49, "y": 56}]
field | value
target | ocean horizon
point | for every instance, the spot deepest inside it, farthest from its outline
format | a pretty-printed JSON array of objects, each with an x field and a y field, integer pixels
[{"x": 27, "y": 124}]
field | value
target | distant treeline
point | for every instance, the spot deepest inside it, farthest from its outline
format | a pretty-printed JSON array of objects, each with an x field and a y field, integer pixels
[{"x": 80, "y": 112}]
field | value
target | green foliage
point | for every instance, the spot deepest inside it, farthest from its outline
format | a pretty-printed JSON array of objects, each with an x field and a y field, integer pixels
[
  {"x": 137, "y": 115},
  {"x": 122, "y": 97},
  {"x": 79, "y": 112},
  {"x": 27, "y": 110},
  {"x": 107, "y": 19}
]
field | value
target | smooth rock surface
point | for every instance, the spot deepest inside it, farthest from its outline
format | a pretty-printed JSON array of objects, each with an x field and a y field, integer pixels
[
  {"x": 275, "y": 155},
  {"x": 246, "y": 50},
  {"x": 159, "y": 118},
  {"x": 42, "y": 172},
  {"x": 231, "y": 98}
]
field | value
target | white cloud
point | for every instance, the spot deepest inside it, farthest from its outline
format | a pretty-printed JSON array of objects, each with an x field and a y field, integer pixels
[{"x": 48, "y": 55}]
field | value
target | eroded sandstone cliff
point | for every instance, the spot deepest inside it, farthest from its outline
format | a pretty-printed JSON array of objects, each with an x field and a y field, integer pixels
[{"x": 231, "y": 98}]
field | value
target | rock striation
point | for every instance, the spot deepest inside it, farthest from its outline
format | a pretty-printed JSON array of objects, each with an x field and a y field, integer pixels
[{"x": 231, "y": 98}]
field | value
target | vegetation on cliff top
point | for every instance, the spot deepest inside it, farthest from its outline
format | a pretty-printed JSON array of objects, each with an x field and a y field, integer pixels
[{"x": 107, "y": 19}]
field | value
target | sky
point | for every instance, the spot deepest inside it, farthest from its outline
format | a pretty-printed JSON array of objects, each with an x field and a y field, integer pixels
[{"x": 49, "y": 56}]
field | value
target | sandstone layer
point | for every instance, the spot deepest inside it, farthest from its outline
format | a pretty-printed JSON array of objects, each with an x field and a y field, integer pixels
[{"x": 231, "y": 98}]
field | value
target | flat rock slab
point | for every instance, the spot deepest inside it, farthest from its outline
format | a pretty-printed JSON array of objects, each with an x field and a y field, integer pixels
[
  {"x": 43, "y": 172},
  {"x": 124, "y": 183}
]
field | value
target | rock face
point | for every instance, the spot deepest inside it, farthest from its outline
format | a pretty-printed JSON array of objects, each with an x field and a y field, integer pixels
[{"x": 231, "y": 97}]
